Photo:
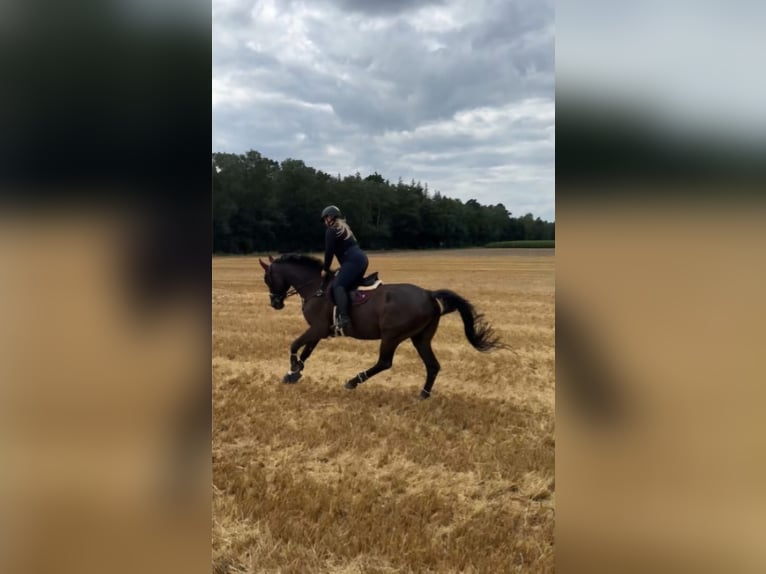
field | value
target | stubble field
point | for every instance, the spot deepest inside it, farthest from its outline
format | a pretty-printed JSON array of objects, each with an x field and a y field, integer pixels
[{"x": 314, "y": 478}]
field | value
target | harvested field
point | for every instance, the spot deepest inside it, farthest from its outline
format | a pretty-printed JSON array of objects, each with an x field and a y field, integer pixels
[{"x": 314, "y": 478}]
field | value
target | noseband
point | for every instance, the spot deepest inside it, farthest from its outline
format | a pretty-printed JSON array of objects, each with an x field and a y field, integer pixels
[{"x": 280, "y": 299}]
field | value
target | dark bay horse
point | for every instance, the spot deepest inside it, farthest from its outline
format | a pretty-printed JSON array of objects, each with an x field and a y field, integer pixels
[{"x": 393, "y": 314}]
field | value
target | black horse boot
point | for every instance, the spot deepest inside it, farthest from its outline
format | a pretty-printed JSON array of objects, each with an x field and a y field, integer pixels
[{"x": 341, "y": 300}]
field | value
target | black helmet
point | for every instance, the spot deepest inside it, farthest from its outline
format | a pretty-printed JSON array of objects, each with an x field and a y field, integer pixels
[{"x": 330, "y": 210}]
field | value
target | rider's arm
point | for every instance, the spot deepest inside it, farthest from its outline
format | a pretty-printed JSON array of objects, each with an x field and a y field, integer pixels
[{"x": 330, "y": 238}]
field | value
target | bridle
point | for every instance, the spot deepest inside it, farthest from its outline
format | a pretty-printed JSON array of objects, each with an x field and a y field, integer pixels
[{"x": 279, "y": 300}]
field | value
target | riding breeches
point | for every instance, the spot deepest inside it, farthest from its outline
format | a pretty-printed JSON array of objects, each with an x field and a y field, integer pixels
[{"x": 352, "y": 269}]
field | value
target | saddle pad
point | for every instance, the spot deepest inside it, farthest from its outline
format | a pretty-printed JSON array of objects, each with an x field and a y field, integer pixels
[{"x": 375, "y": 285}]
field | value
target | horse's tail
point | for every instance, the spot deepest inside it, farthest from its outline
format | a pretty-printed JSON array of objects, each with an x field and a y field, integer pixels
[{"x": 477, "y": 331}]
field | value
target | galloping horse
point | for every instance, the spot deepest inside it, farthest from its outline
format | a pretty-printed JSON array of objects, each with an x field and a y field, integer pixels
[{"x": 392, "y": 314}]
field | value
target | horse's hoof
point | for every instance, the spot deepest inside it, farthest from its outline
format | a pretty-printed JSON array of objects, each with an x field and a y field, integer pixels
[
  {"x": 424, "y": 395},
  {"x": 351, "y": 385},
  {"x": 291, "y": 378}
]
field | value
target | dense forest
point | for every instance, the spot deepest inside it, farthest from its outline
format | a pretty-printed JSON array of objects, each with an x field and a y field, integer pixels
[{"x": 263, "y": 205}]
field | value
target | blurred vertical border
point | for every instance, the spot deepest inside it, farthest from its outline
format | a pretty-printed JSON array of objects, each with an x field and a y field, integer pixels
[
  {"x": 105, "y": 378},
  {"x": 660, "y": 174}
]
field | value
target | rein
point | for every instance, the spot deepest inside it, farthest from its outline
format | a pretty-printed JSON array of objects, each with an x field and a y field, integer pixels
[
  {"x": 295, "y": 290},
  {"x": 279, "y": 299}
]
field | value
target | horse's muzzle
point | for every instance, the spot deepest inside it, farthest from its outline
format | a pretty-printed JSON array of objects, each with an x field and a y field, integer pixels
[{"x": 277, "y": 301}]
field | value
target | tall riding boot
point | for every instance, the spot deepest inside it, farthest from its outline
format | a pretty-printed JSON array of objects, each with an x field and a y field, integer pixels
[{"x": 341, "y": 300}]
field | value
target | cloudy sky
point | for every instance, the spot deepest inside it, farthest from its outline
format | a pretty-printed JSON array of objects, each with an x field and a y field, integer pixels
[{"x": 458, "y": 94}]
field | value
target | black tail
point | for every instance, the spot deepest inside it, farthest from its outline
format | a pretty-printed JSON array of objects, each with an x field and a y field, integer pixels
[{"x": 477, "y": 331}]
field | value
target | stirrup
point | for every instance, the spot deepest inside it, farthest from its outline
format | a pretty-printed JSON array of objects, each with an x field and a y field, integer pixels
[{"x": 338, "y": 330}]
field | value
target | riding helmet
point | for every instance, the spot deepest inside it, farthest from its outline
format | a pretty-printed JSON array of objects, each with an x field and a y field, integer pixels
[{"x": 332, "y": 211}]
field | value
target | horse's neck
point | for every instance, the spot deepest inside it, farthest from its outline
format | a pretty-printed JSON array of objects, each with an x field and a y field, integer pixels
[{"x": 298, "y": 277}]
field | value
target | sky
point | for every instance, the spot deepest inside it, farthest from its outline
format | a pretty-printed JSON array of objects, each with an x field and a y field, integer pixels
[
  {"x": 696, "y": 65},
  {"x": 455, "y": 94}
]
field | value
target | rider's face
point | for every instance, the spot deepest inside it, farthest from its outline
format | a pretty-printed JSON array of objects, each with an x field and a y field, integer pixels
[{"x": 327, "y": 220}]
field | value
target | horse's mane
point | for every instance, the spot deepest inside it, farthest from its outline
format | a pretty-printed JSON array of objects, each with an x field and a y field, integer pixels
[{"x": 300, "y": 259}]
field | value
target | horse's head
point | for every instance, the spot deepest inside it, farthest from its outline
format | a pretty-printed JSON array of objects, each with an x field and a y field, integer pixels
[
  {"x": 288, "y": 274},
  {"x": 276, "y": 283}
]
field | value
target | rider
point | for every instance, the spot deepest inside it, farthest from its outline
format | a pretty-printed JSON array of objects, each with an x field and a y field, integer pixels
[{"x": 341, "y": 243}]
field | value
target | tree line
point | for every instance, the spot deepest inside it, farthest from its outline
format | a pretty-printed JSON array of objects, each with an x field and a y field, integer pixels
[{"x": 263, "y": 205}]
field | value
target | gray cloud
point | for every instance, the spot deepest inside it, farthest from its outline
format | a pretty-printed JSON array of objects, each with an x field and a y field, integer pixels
[
  {"x": 458, "y": 94},
  {"x": 378, "y": 7}
]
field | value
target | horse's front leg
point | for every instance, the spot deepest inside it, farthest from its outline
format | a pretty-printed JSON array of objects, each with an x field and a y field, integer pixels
[
  {"x": 308, "y": 341},
  {"x": 297, "y": 364}
]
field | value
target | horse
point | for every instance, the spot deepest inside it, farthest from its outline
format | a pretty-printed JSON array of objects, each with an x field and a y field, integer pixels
[{"x": 392, "y": 313}]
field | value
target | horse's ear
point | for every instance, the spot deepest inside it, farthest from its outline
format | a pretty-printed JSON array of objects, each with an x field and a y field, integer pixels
[
  {"x": 271, "y": 259},
  {"x": 264, "y": 265}
]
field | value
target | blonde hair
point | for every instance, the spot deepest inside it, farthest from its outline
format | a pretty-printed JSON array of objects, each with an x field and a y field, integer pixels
[{"x": 343, "y": 230}]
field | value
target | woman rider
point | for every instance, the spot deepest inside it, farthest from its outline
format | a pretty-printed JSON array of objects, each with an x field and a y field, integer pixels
[{"x": 341, "y": 243}]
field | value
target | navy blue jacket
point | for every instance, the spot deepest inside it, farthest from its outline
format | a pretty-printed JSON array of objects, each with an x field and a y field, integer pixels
[{"x": 336, "y": 246}]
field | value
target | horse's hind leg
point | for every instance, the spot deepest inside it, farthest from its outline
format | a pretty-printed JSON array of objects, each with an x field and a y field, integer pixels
[
  {"x": 422, "y": 342},
  {"x": 385, "y": 360}
]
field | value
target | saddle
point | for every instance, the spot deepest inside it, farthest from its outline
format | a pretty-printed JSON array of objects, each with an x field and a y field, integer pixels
[{"x": 362, "y": 291}]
